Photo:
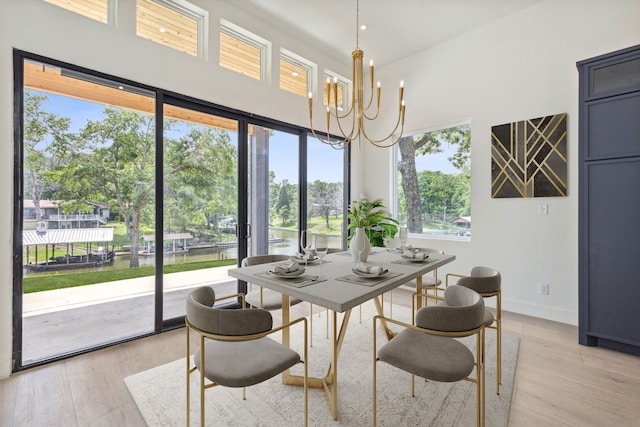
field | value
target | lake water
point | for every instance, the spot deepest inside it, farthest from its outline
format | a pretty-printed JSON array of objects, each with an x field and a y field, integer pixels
[{"x": 287, "y": 245}]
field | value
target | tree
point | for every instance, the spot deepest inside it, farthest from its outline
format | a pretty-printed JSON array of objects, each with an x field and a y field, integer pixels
[
  {"x": 424, "y": 144},
  {"x": 113, "y": 161},
  {"x": 283, "y": 205},
  {"x": 325, "y": 197},
  {"x": 201, "y": 185},
  {"x": 40, "y": 127}
]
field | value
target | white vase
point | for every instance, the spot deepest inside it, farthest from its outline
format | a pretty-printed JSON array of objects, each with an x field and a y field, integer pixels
[{"x": 360, "y": 241}]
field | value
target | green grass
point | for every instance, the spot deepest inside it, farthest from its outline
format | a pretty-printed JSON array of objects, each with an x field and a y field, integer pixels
[{"x": 69, "y": 280}]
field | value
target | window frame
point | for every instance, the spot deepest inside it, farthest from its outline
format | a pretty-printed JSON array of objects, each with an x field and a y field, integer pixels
[
  {"x": 394, "y": 177},
  {"x": 300, "y": 62},
  {"x": 191, "y": 11},
  {"x": 244, "y": 36}
]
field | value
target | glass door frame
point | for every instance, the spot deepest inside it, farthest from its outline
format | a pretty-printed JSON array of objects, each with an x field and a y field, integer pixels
[{"x": 162, "y": 97}]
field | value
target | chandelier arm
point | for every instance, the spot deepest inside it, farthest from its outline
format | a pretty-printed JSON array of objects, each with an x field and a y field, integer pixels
[
  {"x": 377, "y": 142},
  {"x": 351, "y": 134},
  {"x": 337, "y": 144}
]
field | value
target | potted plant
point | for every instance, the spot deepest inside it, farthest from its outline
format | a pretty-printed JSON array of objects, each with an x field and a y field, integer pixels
[{"x": 373, "y": 218}]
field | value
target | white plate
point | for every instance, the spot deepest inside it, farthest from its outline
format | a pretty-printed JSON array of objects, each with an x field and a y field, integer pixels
[
  {"x": 426, "y": 258},
  {"x": 369, "y": 275},
  {"x": 290, "y": 275},
  {"x": 309, "y": 261}
]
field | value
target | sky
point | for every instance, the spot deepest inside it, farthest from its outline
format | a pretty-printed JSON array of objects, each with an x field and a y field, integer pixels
[{"x": 325, "y": 163}]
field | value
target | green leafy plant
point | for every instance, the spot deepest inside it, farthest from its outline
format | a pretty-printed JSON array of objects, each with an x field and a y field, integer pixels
[{"x": 374, "y": 218}]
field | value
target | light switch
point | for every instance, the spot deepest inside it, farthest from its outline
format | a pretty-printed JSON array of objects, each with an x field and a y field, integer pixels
[{"x": 543, "y": 209}]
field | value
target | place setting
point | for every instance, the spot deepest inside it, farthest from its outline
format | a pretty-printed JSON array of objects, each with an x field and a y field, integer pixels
[
  {"x": 291, "y": 273},
  {"x": 413, "y": 256}
]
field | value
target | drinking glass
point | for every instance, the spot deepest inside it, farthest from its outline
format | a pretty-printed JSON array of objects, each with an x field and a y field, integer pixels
[
  {"x": 403, "y": 235},
  {"x": 306, "y": 245},
  {"x": 322, "y": 247}
]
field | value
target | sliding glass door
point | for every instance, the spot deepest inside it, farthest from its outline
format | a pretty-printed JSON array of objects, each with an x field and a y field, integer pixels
[
  {"x": 88, "y": 192},
  {"x": 200, "y": 214},
  {"x": 274, "y": 191},
  {"x": 127, "y": 197}
]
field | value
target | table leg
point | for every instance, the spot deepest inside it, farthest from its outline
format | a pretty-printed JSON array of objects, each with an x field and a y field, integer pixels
[
  {"x": 329, "y": 383},
  {"x": 419, "y": 290}
]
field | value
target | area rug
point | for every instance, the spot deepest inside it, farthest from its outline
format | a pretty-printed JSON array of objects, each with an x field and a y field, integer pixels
[{"x": 159, "y": 393}]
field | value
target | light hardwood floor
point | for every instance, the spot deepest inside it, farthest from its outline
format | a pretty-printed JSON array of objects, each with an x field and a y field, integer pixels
[{"x": 558, "y": 382}]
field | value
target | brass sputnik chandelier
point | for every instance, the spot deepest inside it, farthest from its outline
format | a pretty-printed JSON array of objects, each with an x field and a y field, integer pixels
[{"x": 359, "y": 112}]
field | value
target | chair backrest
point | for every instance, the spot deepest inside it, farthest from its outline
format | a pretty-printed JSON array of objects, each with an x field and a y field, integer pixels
[
  {"x": 461, "y": 310},
  {"x": 202, "y": 315},
  {"x": 482, "y": 280},
  {"x": 263, "y": 259}
]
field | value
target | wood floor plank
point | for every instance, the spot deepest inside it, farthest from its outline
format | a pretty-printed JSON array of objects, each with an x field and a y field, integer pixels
[{"x": 558, "y": 382}]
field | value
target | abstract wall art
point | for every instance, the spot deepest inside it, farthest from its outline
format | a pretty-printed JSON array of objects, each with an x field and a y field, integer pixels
[{"x": 529, "y": 158}]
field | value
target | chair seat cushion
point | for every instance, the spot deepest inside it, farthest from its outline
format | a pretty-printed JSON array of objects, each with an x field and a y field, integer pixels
[
  {"x": 488, "y": 318},
  {"x": 271, "y": 300},
  {"x": 428, "y": 356},
  {"x": 245, "y": 363}
]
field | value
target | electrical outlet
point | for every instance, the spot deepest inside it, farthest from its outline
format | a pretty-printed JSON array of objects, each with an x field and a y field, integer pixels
[
  {"x": 544, "y": 289},
  {"x": 543, "y": 209}
]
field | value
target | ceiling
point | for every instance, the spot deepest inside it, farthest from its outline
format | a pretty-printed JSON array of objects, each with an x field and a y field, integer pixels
[{"x": 396, "y": 29}]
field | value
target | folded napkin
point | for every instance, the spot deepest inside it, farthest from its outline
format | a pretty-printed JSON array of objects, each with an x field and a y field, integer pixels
[
  {"x": 286, "y": 267},
  {"x": 415, "y": 255},
  {"x": 302, "y": 257},
  {"x": 368, "y": 268}
]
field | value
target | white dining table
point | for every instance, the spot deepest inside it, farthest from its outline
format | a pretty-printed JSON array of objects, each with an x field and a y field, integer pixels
[{"x": 336, "y": 287}]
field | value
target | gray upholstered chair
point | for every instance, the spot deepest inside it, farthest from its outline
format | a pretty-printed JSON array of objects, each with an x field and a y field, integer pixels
[
  {"x": 235, "y": 350},
  {"x": 265, "y": 298},
  {"x": 429, "y": 349},
  {"x": 487, "y": 282}
]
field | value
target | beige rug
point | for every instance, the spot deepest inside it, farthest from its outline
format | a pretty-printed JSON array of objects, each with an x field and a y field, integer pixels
[{"x": 160, "y": 392}]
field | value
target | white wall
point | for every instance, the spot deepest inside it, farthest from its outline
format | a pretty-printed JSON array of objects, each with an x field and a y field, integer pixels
[{"x": 520, "y": 67}]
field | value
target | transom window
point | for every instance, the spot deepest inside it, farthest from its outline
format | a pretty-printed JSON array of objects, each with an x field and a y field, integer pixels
[
  {"x": 295, "y": 73},
  {"x": 243, "y": 52},
  {"x": 94, "y": 9},
  {"x": 173, "y": 23}
]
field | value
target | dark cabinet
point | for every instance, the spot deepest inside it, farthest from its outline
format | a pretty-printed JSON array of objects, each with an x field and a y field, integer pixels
[{"x": 609, "y": 207}]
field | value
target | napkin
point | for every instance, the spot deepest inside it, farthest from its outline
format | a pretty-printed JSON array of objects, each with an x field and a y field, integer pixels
[
  {"x": 415, "y": 255},
  {"x": 302, "y": 257},
  {"x": 368, "y": 268},
  {"x": 286, "y": 267}
]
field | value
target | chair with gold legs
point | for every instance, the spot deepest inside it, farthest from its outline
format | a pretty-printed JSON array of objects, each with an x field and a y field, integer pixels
[
  {"x": 429, "y": 348},
  {"x": 487, "y": 282},
  {"x": 235, "y": 350}
]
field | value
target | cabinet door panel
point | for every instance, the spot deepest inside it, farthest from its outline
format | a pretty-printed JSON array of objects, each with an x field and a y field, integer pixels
[
  {"x": 613, "y": 221},
  {"x": 614, "y": 127}
]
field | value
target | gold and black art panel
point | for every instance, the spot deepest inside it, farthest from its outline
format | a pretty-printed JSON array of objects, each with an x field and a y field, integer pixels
[{"x": 529, "y": 158}]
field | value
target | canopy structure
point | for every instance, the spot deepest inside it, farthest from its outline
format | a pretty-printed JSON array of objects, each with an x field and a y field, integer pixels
[
  {"x": 68, "y": 238},
  {"x": 75, "y": 235},
  {"x": 173, "y": 238}
]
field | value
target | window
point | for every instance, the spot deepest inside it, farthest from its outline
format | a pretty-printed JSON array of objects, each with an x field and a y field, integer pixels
[
  {"x": 173, "y": 23},
  {"x": 94, "y": 9},
  {"x": 343, "y": 90},
  {"x": 243, "y": 52},
  {"x": 296, "y": 73},
  {"x": 434, "y": 182}
]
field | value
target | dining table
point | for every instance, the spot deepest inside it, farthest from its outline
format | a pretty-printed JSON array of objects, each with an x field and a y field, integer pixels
[{"x": 335, "y": 283}]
